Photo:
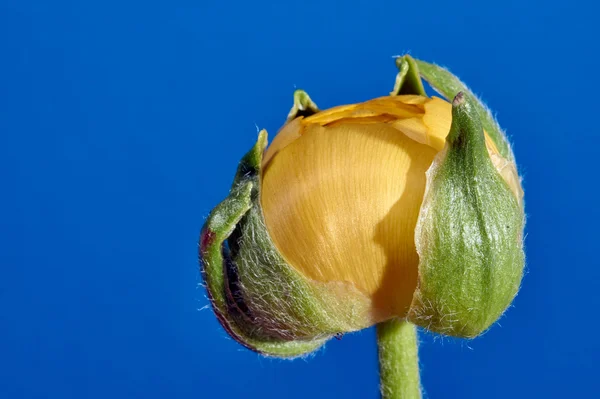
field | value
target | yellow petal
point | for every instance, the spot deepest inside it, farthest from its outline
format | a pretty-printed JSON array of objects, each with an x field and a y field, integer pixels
[
  {"x": 413, "y": 128},
  {"x": 341, "y": 204},
  {"x": 437, "y": 119},
  {"x": 396, "y": 107}
]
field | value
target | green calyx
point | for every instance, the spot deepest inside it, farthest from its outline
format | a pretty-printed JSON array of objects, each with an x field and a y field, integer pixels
[{"x": 469, "y": 235}]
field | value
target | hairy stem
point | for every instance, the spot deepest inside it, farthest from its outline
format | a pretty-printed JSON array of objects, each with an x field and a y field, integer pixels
[{"x": 398, "y": 360}]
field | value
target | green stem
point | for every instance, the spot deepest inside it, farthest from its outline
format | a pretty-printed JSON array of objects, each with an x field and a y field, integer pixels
[{"x": 398, "y": 360}]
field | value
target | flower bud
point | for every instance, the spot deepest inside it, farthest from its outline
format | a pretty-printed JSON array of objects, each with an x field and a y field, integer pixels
[{"x": 402, "y": 206}]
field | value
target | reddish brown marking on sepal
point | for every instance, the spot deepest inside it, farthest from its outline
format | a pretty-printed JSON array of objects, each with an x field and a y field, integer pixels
[
  {"x": 225, "y": 324},
  {"x": 207, "y": 237}
]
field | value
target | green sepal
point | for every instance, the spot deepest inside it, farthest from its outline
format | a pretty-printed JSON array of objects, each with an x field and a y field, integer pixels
[
  {"x": 303, "y": 105},
  {"x": 448, "y": 85},
  {"x": 468, "y": 236},
  {"x": 408, "y": 80},
  {"x": 214, "y": 256}
]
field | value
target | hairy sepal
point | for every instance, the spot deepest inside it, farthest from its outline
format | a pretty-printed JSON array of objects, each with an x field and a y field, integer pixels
[
  {"x": 216, "y": 263},
  {"x": 468, "y": 236}
]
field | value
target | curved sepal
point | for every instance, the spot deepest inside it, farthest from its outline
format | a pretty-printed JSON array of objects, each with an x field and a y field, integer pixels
[
  {"x": 468, "y": 236},
  {"x": 303, "y": 105},
  {"x": 216, "y": 261},
  {"x": 408, "y": 80},
  {"x": 448, "y": 85}
]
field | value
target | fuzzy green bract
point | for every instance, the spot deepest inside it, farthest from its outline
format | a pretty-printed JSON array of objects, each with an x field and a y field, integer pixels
[
  {"x": 239, "y": 210},
  {"x": 469, "y": 235}
]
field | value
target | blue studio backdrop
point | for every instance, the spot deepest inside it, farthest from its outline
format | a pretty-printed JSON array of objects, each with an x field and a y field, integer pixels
[{"x": 121, "y": 124}]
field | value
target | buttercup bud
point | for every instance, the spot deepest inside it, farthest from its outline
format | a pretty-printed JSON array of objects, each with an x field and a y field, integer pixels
[{"x": 403, "y": 206}]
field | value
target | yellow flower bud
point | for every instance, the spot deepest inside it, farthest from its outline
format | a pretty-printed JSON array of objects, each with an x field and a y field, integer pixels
[{"x": 403, "y": 206}]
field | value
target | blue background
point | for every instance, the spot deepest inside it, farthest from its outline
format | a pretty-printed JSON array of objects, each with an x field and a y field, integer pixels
[{"x": 121, "y": 124}]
